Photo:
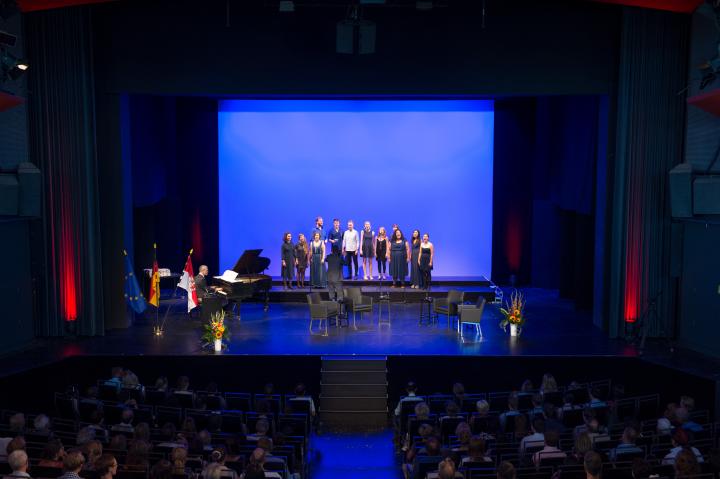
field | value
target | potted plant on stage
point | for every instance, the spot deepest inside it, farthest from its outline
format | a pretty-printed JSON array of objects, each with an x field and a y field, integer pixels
[
  {"x": 514, "y": 314},
  {"x": 216, "y": 332}
]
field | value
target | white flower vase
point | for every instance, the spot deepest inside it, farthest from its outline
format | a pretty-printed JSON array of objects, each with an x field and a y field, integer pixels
[
  {"x": 218, "y": 345},
  {"x": 514, "y": 331}
]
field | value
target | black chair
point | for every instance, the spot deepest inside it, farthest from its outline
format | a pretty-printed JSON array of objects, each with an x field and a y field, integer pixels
[
  {"x": 108, "y": 391},
  {"x": 448, "y": 426},
  {"x": 425, "y": 464},
  {"x": 166, "y": 414},
  {"x": 155, "y": 397},
  {"x": 357, "y": 303},
  {"x": 185, "y": 399},
  {"x": 201, "y": 417},
  {"x": 233, "y": 422},
  {"x": 66, "y": 406},
  {"x": 236, "y": 401},
  {"x": 449, "y": 306}
]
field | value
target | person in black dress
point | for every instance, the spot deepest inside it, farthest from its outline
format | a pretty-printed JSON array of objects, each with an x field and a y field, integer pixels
[
  {"x": 302, "y": 251},
  {"x": 399, "y": 257},
  {"x": 287, "y": 255},
  {"x": 367, "y": 250},
  {"x": 381, "y": 251},
  {"x": 414, "y": 257},
  {"x": 425, "y": 261}
]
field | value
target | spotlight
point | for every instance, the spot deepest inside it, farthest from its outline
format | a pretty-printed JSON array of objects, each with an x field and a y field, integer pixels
[
  {"x": 12, "y": 66},
  {"x": 286, "y": 6}
]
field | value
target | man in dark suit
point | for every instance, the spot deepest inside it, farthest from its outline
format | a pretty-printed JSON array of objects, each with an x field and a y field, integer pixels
[
  {"x": 335, "y": 263},
  {"x": 203, "y": 291}
]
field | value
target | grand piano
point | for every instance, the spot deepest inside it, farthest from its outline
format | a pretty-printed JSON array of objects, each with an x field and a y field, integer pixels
[{"x": 248, "y": 283}]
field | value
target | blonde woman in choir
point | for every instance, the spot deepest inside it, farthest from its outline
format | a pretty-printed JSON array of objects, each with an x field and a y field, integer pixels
[{"x": 367, "y": 250}]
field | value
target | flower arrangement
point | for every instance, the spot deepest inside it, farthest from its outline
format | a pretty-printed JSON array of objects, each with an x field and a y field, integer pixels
[
  {"x": 514, "y": 311},
  {"x": 216, "y": 329}
]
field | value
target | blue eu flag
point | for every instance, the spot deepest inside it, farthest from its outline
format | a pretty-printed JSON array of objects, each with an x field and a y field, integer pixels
[{"x": 133, "y": 294}]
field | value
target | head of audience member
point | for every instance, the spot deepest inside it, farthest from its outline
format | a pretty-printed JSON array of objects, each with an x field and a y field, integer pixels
[
  {"x": 483, "y": 407},
  {"x": 506, "y": 470},
  {"x": 463, "y": 433},
  {"x": 142, "y": 432},
  {"x": 682, "y": 416},
  {"x": 17, "y": 422},
  {"x": 593, "y": 426},
  {"x": 588, "y": 415},
  {"x": 92, "y": 451},
  {"x": 188, "y": 426},
  {"x": 300, "y": 390},
  {"x": 537, "y": 400},
  {"x": 513, "y": 402},
  {"x": 452, "y": 409},
  {"x": 183, "y": 383},
  {"x": 459, "y": 391},
  {"x": 425, "y": 431},
  {"x": 592, "y": 463},
  {"x": 178, "y": 456},
  {"x": 640, "y": 469},
  {"x": 204, "y": 437},
  {"x": 583, "y": 444},
  {"x": 595, "y": 393},
  {"x": 117, "y": 372},
  {"x": 106, "y": 466},
  {"x": 629, "y": 436},
  {"x": 686, "y": 464},
  {"x": 161, "y": 470},
  {"x": 161, "y": 383},
  {"x": 446, "y": 469},
  {"x": 411, "y": 388},
  {"x": 680, "y": 438},
  {"x": 53, "y": 451},
  {"x": 266, "y": 444},
  {"x": 432, "y": 446},
  {"x": 422, "y": 410},
  {"x": 138, "y": 454},
  {"x": 127, "y": 417},
  {"x": 687, "y": 402},
  {"x": 521, "y": 426},
  {"x": 18, "y": 461},
  {"x": 96, "y": 418},
  {"x": 16, "y": 444},
  {"x": 476, "y": 448},
  {"x": 527, "y": 386},
  {"x": 218, "y": 455},
  {"x": 130, "y": 379},
  {"x": 73, "y": 461},
  {"x": 538, "y": 425},
  {"x": 41, "y": 424},
  {"x": 168, "y": 431},
  {"x": 256, "y": 464},
  {"x": 262, "y": 426},
  {"x": 568, "y": 400},
  {"x": 131, "y": 403},
  {"x": 552, "y": 438},
  {"x": 549, "y": 385},
  {"x": 118, "y": 443},
  {"x": 214, "y": 423},
  {"x": 549, "y": 411}
]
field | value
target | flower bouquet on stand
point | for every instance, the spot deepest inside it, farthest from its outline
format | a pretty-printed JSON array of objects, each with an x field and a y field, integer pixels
[
  {"x": 513, "y": 314},
  {"x": 216, "y": 333}
]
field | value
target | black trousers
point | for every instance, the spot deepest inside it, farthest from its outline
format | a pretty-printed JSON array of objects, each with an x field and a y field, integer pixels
[
  {"x": 382, "y": 265},
  {"x": 425, "y": 278},
  {"x": 352, "y": 255}
]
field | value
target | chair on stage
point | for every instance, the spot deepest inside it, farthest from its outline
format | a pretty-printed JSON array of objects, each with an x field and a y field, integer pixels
[
  {"x": 322, "y": 311},
  {"x": 471, "y": 314},
  {"x": 357, "y": 303},
  {"x": 449, "y": 306}
]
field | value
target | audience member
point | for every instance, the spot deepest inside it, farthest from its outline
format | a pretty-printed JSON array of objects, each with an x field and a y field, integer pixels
[
  {"x": 161, "y": 470},
  {"x": 446, "y": 469},
  {"x": 527, "y": 387},
  {"x": 16, "y": 444},
  {"x": 583, "y": 444},
  {"x": 53, "y": 454},
  {"x": 422, "y": 411},
  {"x": 521, "y": 427},
  {"x": 595, "y": 399},
  {"x": 680, "y": 442},
  {"x": 42, "y": 426},
  {"x": 217, "y": 456},
  {"x": 682, "y": 416},
  {"x": 458, "y": 391},
  {"x": 118, "y": 443},
  {"x": 641, "y": 469},
  {"x": 686, "y": 464},
  {"x": 512, "y": 410},
  {"x": 256, "y": 467},
  {"x": 301, "y": 394},
  {"x": 161, "y": 383},
  {"x": 549, "y": 385},
  {"x": 85, "y": 435},
  {"x": 550, "y": 449},
  {"x": 506, "y": 470},
  {"x": 18, "y": 462},
  {"x": 411, "y": 391},
  {"x": 73, "y": 463},
  {"x": 688, "y": 403},
  {"x": 116, "y": 375},
  {"x": 138, "y": 456},
  {"x": 476, "y": 451},
  {"x": 593, "y": 465},
  {"x": 537, "y": 437},
  {"x": 665, "y": 423},
  {"x": 97, "y": 419},
  {"x": 106, "y": 466},
  {"x": 537, "y": 405},
  {"x": 126, "y": 420},
  {"x": 262, "y": 426},
  {"x": 627, "y": 445},
  {"x": 92, "y": 451}
]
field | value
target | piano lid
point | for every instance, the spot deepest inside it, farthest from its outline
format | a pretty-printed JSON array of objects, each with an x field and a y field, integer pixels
[{"x": 251, "y": 262}]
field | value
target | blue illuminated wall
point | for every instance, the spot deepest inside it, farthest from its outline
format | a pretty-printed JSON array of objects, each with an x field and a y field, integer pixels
[{"x": 422, "y": 164}]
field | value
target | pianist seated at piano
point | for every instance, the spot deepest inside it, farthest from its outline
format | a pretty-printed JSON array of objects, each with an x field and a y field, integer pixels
[{"x": 201, "y": 286}]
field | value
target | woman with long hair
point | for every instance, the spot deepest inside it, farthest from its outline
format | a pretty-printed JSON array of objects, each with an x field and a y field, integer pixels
[
  {"x": 381, "y": 251},
  {"x": 287, "y": 255},
  {"x": 302, "y": 252},
  {"x": 425, "y": 261},
  {"x": 399, "y": 257},
  {"x": 367, "y": 250},
  {"x": 318, "y": 278},
  {"x": 415, "y": 241}
]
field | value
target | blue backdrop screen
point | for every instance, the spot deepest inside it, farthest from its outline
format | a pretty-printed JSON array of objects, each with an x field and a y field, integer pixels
[{"x": 422, "y": 164}]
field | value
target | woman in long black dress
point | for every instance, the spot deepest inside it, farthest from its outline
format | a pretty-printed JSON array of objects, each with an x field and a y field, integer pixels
[
  {"x": 287, "y": 255},
  {"x": 425, "y": 261},
  {"x": 399, "y": 257},
  {"x": 414, "y": 257},
  {"x": 301, "y": 259},
  {"x": 381, "y": 251},
  {"x": 318, "y": 276}
]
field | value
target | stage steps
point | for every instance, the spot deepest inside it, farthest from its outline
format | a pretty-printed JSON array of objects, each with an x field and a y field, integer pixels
[{"x": 353, "y": 393}]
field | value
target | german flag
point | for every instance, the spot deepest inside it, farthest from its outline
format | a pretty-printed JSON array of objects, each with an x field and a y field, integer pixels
[{"x": 155, "y": 281}]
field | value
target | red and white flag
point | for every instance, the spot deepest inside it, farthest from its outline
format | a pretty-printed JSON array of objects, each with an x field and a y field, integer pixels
[{"x": 187, "y": 282}]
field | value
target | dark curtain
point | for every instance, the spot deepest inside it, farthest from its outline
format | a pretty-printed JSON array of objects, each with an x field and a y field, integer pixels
[
  {"x": 62, "y": 145},
  {"x": 650, "y": 119}
]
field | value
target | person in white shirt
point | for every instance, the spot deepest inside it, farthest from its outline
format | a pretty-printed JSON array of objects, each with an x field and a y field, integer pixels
[
  {"x": 350, "y": 246},
  {"x": 551, "y": 450},
  {"x": 680, "y": 441}
]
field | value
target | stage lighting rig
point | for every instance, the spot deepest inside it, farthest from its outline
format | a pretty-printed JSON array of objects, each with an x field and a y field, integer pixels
[
  {"x": 11, "y": 66},
  {"x": 355, "y": 35}
]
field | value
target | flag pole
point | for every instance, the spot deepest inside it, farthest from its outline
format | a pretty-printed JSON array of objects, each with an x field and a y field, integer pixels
[{"x": 162, "y": 326}]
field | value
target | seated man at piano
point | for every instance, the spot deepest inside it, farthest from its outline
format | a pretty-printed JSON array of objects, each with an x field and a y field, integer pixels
[{"x": 201, "y": 286}]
